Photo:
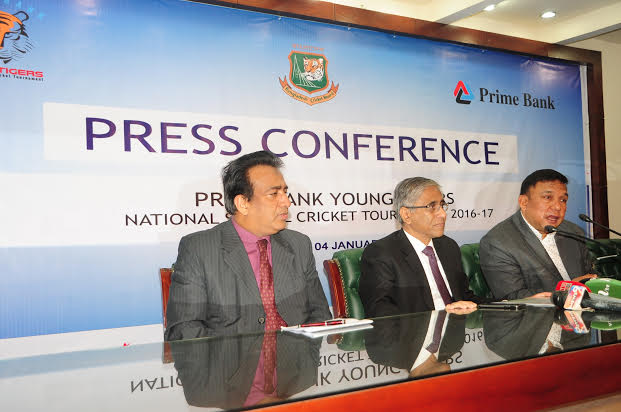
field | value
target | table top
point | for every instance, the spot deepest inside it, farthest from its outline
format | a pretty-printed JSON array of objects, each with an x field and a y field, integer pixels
[{"x": 218, "y": 372}]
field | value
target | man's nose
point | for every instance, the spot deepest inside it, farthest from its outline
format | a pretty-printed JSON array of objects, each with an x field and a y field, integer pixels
[{"x": 284, "y": 200}]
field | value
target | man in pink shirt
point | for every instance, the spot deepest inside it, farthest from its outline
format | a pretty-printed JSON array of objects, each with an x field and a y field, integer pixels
[{"x": 250, "y": 273}]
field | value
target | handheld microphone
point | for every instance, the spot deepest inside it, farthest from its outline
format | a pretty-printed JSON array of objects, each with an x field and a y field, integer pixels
[
  {"x": 587, "y": 219},
  {"x": 551, "y": 229},
  {"x": 593, "y": 301}
]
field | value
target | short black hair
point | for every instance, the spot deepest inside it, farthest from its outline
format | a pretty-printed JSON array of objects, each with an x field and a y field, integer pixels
[
  {"x": 543, "y": 175},
  {"x": 235, "y": 176}
]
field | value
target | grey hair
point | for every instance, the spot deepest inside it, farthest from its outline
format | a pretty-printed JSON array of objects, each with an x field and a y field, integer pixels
[{"x": 409, "y": 190}]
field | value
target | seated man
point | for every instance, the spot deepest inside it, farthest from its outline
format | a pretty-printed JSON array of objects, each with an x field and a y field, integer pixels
[
  {"x": 249, "y": 273},
  {"x": 518, "y": 258},
  {"x": 400, "y": 273}
]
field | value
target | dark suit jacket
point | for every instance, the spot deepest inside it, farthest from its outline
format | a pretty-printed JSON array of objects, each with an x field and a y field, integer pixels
[
  {"x": 397, "y": 342},
  {"x": 516, "y": 265},
  {"x": 219, "y": 372},
  {"x": 392, "y": 279},
  {"x": 214, "y": 290}
]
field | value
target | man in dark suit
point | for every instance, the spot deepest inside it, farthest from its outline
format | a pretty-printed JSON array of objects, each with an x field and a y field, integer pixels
[
  {"x": 417, "y": 268},
  {"x": 249, "y": 273},
  {"x": 518, "y": 258}
]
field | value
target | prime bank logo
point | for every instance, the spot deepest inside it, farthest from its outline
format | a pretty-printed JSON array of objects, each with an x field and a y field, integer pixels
[{"x": 462, "y": 93}]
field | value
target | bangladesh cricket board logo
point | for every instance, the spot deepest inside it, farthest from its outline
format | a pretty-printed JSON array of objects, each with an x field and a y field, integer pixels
[{"x": 309, "y": 73}]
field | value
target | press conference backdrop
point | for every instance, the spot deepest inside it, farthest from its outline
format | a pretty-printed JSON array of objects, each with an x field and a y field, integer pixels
[{"x": 118, "y": 116}]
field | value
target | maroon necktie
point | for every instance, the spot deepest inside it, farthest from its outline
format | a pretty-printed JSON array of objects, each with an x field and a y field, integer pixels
[
  {"x": 446, "y": 296},
  {"x": 273, "y": 320},
  {"x": 437, "y": 333}
]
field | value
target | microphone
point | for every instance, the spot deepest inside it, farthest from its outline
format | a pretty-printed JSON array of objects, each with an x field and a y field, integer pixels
[
  {"x": 587, "y": 219},
  {"x": 550, "y": 229},
  {"x": 593, "y": 301}
]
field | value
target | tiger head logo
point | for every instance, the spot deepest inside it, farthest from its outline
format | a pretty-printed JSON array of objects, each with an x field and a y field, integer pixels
[
  {"x": 313, "y": 69},
  {"x": 308, "y": 71},
  {"x": 14, "y": 41}
]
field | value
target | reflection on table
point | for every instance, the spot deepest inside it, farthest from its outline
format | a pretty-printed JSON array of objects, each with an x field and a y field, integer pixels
[{"x": 228, "y": 372}]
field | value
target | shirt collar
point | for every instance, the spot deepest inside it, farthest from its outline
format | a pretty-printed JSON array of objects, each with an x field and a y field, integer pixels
[
  {"x": 417, "y": 244},
  {"x": 248, "y": 238}
]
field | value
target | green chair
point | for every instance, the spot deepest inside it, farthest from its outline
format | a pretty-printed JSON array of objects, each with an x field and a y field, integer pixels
[
  {"x": 606, "y": 257},
  {"x": 343, "y": 272},
  {"x": 472, "y": 267}
]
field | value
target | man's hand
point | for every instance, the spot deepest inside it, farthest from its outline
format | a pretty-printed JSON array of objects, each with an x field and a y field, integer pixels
[
  {"x": 541, "y": 295},
  {"x": 583, "y": 277},
  {"x": 462, "y": 307}
]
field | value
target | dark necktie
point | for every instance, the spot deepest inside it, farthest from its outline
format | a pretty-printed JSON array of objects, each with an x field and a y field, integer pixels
[
  {"x": 435, "y": 270},
  {"x": 437, "y": 333},
  {"x": 273, "y": 320}
]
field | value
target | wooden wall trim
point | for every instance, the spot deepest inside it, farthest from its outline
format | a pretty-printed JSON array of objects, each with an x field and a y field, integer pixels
[{"x": 345, "y": 15}]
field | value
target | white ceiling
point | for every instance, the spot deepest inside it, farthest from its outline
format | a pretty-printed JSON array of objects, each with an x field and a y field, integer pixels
[{"x": 575, "y": 19}]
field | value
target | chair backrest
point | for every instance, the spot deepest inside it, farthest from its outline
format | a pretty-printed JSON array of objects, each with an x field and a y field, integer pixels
[
  {"x": 606, "y": 257},
  {"x": 344, "y": 277},
  {"x": 472, "y": 267},
  {"x": 165, "y": 276}
]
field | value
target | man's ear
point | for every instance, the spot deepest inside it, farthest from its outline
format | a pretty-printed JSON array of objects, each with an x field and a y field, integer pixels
[
  {"x": 523, "y": 201},
  {"x": 241, "y": 203},
  {"x": 404, "y": 212}
]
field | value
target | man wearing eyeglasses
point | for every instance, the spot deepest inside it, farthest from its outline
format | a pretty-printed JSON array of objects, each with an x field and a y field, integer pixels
[{"x": 417, "y": 268}]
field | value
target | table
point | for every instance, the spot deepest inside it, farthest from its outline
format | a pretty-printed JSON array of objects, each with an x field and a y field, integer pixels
[{"x": 487, "y": 360}]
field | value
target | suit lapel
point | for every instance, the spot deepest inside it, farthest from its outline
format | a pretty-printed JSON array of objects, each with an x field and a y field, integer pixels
[
  {"x": 236, "y": 258},
  {"x": 282, "y": 266},
  {"x": 535, "y": 245},
  {"x": 449, "y": 267},
  {"x": 411, "y": 258}
]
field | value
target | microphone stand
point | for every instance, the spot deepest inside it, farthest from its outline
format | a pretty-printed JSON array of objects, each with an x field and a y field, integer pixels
[{"x": 587, "y": 219}]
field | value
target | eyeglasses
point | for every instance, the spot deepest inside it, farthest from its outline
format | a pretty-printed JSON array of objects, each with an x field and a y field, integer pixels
[{"x": 433, "y": 206}]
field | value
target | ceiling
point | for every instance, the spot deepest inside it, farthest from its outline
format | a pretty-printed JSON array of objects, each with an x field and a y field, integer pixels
[{"x": 575, "y": 19}]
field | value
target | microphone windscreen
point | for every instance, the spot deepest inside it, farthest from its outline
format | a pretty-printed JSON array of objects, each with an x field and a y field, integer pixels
[
  {"x": 549, "y": 229},
  {"x": 559, "y": 297},
  {"x": 584, "y": 218},
  {"x": 605, "y": 287}
]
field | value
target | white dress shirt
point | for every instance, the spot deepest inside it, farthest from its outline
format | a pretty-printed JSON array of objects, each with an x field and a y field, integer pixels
[
  {"x": 418, "y": 246},
  {"x": 549, "y": 244}
]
